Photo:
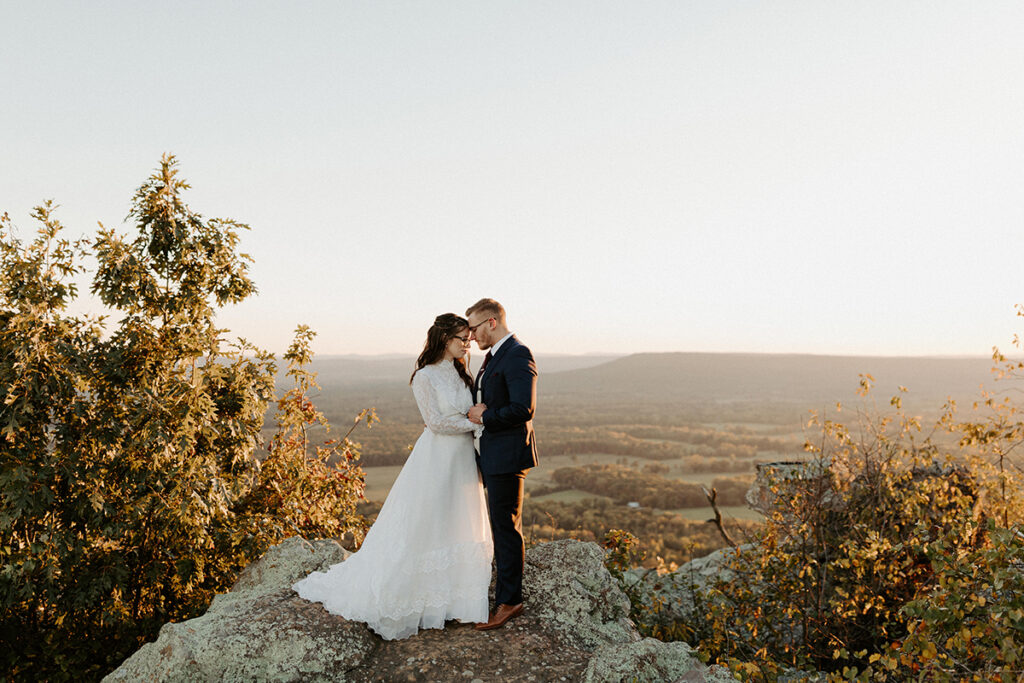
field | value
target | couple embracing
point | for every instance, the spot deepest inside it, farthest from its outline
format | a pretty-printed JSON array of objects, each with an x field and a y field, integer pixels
[{"x": 427, "y": 557}]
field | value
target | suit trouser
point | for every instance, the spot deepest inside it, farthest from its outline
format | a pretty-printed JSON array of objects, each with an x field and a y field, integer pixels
[{"x": 505, "y": 506}]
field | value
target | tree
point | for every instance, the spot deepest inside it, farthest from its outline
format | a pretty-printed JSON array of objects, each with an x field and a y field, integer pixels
[
  {"x": 299, "y": 492},
  {"x": 130, "y": 487}
]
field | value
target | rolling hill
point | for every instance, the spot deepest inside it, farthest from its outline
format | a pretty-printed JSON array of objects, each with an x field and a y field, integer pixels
[{"x": 771, "y": 377}]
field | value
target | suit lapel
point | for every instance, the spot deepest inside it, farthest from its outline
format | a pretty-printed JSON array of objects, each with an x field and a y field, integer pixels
[{"x": 496, "y": 358}]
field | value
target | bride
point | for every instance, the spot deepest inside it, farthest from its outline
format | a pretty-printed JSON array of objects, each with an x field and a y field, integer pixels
[{"x": 427, "y": 558}]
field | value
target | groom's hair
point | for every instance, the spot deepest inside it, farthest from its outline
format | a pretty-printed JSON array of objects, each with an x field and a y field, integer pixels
[{"x": 490, "y": 308}]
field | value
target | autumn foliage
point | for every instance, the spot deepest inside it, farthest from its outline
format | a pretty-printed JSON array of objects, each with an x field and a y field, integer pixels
[
  {"x": 131, "y": 486},
  {"x": 897, "y": 554}
]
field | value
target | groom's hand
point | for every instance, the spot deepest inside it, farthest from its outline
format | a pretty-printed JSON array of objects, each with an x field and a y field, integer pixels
[{"x": 475, "y": 414}]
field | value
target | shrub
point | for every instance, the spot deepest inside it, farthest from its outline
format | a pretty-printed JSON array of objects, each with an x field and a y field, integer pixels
[
  {"x": 890, "y": 555},
  {"x": 844, "y": 551},
  {"x": 130, "y": 490}
]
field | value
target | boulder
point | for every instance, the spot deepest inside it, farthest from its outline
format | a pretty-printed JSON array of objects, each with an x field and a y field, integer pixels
[
  {"x": 778, "y": 483},
  {"x": 572, "y": 595},
  {"x": 260, "y": 630},
  {"x": 676, "y": 596},
  {"x": 575, "y": 627},
  {"x": 652, "y": 660}
]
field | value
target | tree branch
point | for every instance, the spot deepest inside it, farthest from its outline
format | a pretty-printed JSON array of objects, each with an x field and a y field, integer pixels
[{"x": 711, "y": 496}]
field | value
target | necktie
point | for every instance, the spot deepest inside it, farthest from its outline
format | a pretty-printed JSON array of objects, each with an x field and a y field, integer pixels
[{"x": 487, "y": 359}]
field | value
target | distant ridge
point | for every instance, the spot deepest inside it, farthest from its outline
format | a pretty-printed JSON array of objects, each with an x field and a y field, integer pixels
[
  {"x": 805, "y": 380},
  {"x": 788, "y": 377},
  {"x": 363, "y": 371}
]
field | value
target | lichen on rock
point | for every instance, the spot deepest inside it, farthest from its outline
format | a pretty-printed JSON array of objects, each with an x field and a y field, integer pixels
[
  {"x": 260, "y": 630},
  {"x": 575, "y": 627},
  {"x": 567, "y": 585},
  {"x": 678, "y": 595},
  {"x": 651, "y": 660}
]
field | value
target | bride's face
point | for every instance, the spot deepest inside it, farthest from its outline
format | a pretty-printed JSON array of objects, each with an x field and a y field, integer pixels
[{"x": 457, "y": 345}]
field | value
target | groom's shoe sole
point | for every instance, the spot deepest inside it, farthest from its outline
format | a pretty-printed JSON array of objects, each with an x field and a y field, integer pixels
[{"x": 502, "y": 615}]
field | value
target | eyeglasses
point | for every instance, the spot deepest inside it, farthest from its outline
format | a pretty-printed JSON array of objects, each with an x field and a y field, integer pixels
[
  {"x": 464, "y": 340},
  {"x": 472, "y": 328}
]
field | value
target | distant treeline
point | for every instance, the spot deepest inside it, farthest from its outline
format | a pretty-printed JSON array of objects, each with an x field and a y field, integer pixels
[
  {"x": 647, "y": 487},
  {"x": 662, "y": 534},
  {"x": 666, "y": 535},
  {"x": 663, "y": 442},
  {"x": 383, "y": 444},
  {"x": 737, "y": 437},
  {"x": 588, "y": 410},
  {"x": 697, "y": 449},
  {"x": 650, "y": 426}
]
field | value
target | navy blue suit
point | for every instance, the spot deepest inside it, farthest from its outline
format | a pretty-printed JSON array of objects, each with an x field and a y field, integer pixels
[{"x": 508, "y": 386}]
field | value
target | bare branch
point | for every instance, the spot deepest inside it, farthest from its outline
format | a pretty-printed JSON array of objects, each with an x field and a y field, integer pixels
[{"x": 711, "y": 496}]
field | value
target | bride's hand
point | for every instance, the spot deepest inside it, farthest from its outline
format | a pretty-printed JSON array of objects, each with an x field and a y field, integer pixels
[{"x": 475, "y": 413}]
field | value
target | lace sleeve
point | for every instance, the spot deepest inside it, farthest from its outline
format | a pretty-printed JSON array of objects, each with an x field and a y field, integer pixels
[{"x": 430, "y": 409}]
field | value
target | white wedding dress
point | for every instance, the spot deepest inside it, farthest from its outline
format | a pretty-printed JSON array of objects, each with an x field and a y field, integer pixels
[{"x": 427, "y": 558}]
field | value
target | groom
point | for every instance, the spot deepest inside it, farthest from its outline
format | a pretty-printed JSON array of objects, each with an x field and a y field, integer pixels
[{"x": 506, "y": 397}]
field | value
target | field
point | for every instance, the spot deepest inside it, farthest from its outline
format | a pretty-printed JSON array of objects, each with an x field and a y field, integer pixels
[
  {"x": 380, "y": 479},
  {"x": 651, "y": 429}
]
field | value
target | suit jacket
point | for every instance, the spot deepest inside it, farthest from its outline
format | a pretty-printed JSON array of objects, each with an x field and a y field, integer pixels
[{"x": 509, "y": 389}]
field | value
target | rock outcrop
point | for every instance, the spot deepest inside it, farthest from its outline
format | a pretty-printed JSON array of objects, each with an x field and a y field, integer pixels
[
  {"x": 575, "y": 628},
  {"x": 777, "y": 483},
  {"x": 676, "y": 596}
]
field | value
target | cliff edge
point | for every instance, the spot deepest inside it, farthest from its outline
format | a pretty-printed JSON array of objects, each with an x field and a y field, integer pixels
[{"x": 575, "y": 628}]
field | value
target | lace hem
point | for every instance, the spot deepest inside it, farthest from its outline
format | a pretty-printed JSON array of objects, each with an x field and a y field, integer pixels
[{"x": 449, "y": 583}]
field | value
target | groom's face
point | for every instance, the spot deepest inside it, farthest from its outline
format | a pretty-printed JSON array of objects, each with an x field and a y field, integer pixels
[{"x": 480, "y": 330}]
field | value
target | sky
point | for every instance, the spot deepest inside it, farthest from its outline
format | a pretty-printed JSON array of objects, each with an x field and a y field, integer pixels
[{"x": 782, "y": 177}]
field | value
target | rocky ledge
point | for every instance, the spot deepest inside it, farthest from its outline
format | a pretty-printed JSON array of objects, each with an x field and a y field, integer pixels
[{"x": 575, "y": 628}]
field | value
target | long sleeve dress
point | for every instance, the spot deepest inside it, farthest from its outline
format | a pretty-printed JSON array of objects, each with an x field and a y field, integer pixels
[{"x": 427, "y": 558}]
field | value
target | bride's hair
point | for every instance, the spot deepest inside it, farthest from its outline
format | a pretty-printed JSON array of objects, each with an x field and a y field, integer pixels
[{"x": 446, "y": 326}]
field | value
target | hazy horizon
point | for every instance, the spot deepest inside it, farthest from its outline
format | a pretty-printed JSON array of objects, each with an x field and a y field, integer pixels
[
  {"x": 764, "y": 177},
  {"x": 617, "y": 354}
]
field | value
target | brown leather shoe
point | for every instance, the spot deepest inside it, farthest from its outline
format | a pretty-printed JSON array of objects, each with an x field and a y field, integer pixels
[{"x": 500, "y": 616}]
